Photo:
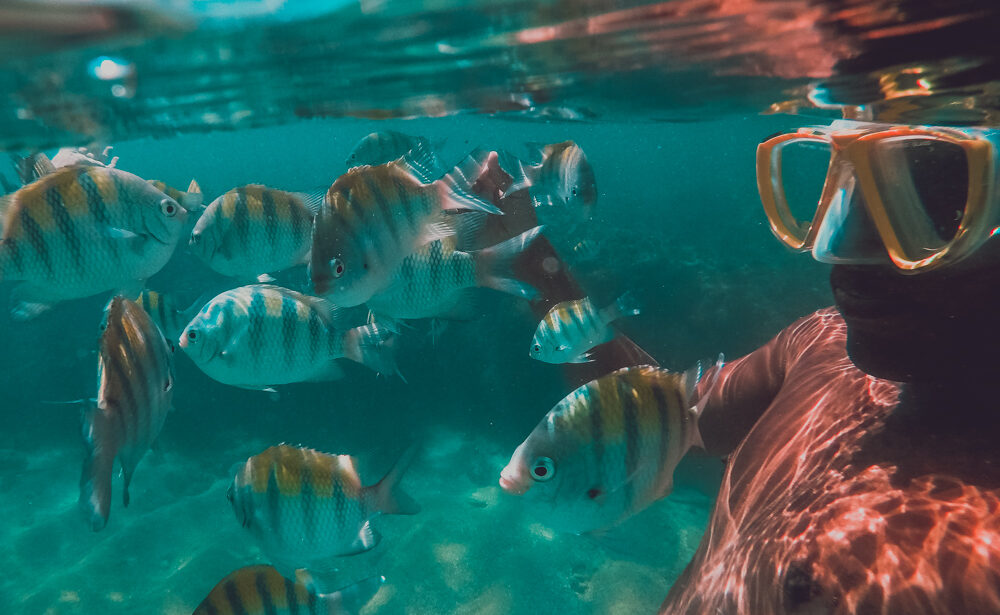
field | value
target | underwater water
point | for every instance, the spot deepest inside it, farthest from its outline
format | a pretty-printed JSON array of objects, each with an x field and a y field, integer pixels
[
  {"x": 668, "y": 100},
  {"x": 687, "y": 238}
]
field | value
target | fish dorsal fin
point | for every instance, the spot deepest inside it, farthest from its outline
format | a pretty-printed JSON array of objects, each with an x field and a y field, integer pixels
[
  {"x": 42, "y": 165},
  {"x": 193, "y": 187},
  {"x": 313, "y": 199},
  {"x": 421, "y": 163},
  {"x": 7, "y": 202}
]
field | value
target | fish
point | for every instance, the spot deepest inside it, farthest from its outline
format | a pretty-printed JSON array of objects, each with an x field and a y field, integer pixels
[
  {"x": 375, "y": 216},
  {"x": 83, "y": 230},
  {"x": 260, "y": 335},
  {"x": 253, "y": 230},
  {"x": 135, "y": 382},
  {"x": 384, "y": 146},
  {"x": 608, "y": 449},
  {"x": 307, "y": 508},
  {"x": 570, "y": 329},
  {"x": 431, "y": 281},
  {"x": 168, "y": 317},
  {"x": 190, "y": 200},
  {"x": 261, "y": 590},
  {"x": 33, "y": 167},
  {"x": 562, "y": 176}
]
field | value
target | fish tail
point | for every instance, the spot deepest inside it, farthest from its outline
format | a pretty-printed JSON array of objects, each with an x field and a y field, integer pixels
[
  {"x": 352, "y": 598},
  {"x": 389, "y": 496},
  {"x": 374, "y": 347},
  {"x": 626, "y": 305},
  {"x": 98, "y": 466},
  {"x": 691, "y": 379},
  {"x": 521, "y": 173},
  {"x": 495, "y": 265}
]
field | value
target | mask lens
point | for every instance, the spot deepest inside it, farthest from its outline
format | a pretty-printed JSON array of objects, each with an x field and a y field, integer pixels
[
  {"x": 803, "y": 170},
  {"x": 923, "y": 183}
]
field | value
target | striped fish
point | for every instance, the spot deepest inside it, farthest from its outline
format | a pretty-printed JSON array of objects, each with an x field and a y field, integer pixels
[
  {"x": 168, "y": 317},
  {"x": 254, "y": 230},
  {"x": 189, "y": 200},
  {"x": 83, "y": 230},
  {"x": 382, "y": 147},
  {"x": 134, "y": 391},
  {"x": 430, "y": 282},
  {"x": 261, "y": 335},
  {"x": 563, "y": 177},
  {"x": 570, "y": 329},
  {"x": 375, "y": 216},
  {"x": 261, "y": 590},
  {"x": 608, "y": 449},
  {"x": 307, "y": 508}
]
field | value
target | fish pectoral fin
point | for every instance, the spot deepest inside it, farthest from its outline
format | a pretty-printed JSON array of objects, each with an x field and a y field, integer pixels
[
  {"x": 366, "y": 540},
  {"x": 115, "y": 232}
]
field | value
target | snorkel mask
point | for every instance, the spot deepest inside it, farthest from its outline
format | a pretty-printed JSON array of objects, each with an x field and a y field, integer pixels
[{"x": 920, "y": 197}]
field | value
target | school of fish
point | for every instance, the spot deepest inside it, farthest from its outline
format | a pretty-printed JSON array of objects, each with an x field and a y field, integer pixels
[{"x": 395, "y": 238}]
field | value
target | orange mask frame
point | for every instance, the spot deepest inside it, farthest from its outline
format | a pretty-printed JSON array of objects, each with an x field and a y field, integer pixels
[{"x": 856, "y": 147}]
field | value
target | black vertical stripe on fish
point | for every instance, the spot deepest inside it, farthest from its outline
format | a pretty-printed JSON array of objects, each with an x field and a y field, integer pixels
[
  {"x": 14, "y": 251},
  {"x": 99, "y": 210},
  {"x": 576, "y": 320},
  {"x": 65, "y": 224},
  {"x": 307, "y": 496},
  {"x": 630, "y": 419},
  {"x": 270, "y": 212},
  {"x": 255, "y": 323},
  {"x": 298, "y": 223},
  {"x": 36, "y": 239},
  {"x": 315, "y": 334},
  {"x": 241, "y": 220},
  {"x": 207, "y": 608},
  {"x": 413, "y": 222},
  {"x": 289, "y": 324},
  {"x": 292, "y": 597},
  {"x": 384, "y": 207},
  {"x": 313, "y": 602},
  {"x": 435, "y": 269},
  {"x": 127, "y": 400},
  {"x": 273, "y": 498},
  {"x": 233, "y": 597},
  {"x": 456, "y": 269},
  {"x": 266, "y": 599},
  {"x": 597, "y": 433},
  {"x": 663, "y": 411},
  {"x": 354, "y": 204},
  {"x": 339, "y": 500}
]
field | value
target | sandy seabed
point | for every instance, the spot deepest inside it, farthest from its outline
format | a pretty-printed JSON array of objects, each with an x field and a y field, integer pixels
[{"x": 472, "y": 549}]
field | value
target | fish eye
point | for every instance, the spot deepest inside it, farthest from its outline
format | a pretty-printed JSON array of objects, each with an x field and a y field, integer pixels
[
  {"x": 543, "y": 469},
  {"x": 168, "y": 207},
  {"x": 337, "y": 266},
  {"x": 191, "y": 335},
  {"x": 537, "y": 347},
  {"x": 574, "y": 190}
]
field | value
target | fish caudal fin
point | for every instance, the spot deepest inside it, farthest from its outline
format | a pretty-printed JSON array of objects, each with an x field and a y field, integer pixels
[
  {"x": 691, "y": 379},
  {"x": 353, "y": 598},
  {"x": 373, "y": 346},
  {"x": 494, "y": 265},
  {"x": 390, "y": 498},
  {"x": 98, "y": 466},
  {"x": 626, "y": 305}
]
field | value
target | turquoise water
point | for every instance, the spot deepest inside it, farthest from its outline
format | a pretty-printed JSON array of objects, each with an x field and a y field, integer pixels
[{"x": 678, "y": 222}]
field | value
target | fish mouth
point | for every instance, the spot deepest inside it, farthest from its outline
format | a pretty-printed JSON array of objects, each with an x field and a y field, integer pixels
[{"x": 511, "y": 486}]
